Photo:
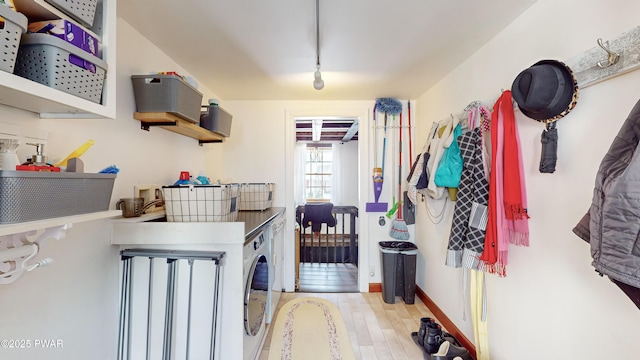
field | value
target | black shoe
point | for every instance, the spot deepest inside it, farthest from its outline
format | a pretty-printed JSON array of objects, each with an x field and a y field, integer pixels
[
  {"x": 422, "y": 332},
  {"x": 450, "y": 338},
  {"x": 448, "y": 351},
  {"x": 433, "y": 338}
]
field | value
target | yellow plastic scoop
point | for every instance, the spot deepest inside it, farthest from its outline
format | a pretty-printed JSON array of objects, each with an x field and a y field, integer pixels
[{"x": 76, "y": 153}]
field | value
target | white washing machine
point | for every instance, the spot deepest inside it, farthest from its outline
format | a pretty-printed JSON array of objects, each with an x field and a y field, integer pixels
[
  {"x": 276, "y": 253},
  {"x": 256, "y": 293}
]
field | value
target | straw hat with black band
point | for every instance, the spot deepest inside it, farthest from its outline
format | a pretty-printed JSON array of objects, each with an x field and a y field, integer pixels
[{"x": 546, "y": 92}]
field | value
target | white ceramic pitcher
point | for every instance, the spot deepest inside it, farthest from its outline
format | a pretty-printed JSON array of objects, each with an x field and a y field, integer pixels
[{"x": 8, "y": 156}]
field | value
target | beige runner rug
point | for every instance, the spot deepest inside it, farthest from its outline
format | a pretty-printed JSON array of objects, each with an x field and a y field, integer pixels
[{"x": 310, "y": 328}]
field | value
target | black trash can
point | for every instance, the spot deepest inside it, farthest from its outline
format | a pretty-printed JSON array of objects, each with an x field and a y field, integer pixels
[{"x": 398, "y": 259}]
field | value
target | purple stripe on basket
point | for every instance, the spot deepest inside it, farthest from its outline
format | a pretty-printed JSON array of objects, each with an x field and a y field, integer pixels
[
  {"x": 78, "y": 61},
  {"x": 287, "y": 340}
]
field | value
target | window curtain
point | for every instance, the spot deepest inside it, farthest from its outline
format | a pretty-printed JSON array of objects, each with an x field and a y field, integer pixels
[
  {"x": 299, "y": 196},
  {"x": 336, "y": 174}
]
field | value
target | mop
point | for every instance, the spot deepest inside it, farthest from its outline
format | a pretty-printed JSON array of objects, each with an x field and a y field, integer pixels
[
  {"x": 378, "y": 173},
  {"x": 389, "y": 106},
  {"x": 399, "y": 230},
  {"x": 386, "y": 106}
]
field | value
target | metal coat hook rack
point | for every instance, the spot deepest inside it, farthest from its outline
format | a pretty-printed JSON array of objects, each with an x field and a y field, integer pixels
[
  {"x": 613, "y": 59},
  {"x": 623, "y": 56}
]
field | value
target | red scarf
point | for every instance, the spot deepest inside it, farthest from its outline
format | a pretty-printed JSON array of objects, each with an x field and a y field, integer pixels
[
  {"x": 513, "y": 202},
  {"x": 507, "y": 215}
]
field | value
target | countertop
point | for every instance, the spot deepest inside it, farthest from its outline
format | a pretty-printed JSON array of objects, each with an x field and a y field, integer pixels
[
  {"x": 151, "y": 229},
  {"x": 255, "y": 219}
]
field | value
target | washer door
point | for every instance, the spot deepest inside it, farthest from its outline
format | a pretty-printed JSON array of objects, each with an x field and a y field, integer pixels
[{"x": 255, "y": 295}]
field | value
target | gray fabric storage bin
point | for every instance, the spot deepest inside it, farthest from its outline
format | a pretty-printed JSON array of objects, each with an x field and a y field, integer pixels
[
  {"x": 216, "y": 119},
  {"x": 167, "y": 93}
]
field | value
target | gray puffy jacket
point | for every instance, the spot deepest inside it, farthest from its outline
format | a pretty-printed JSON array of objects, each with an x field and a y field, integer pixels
[{"x": 612, "y": 225}]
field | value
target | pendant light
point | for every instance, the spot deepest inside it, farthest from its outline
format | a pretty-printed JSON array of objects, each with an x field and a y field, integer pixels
[{"x": 318, "y": 83}]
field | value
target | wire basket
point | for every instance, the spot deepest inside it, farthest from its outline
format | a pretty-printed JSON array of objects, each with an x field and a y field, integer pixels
[
  {"x": 54, "y": 62},
  {"x": 201, "y": 203},
  {"x": 83, "y": 11},
  {"x": 15, "y": 24},
  {"x": 256, "y": 196}
]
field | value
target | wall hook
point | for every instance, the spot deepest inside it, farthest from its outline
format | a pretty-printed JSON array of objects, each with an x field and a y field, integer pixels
[
  {"x": 473, "y": 104},
  {"x": 613, "y": 56}
]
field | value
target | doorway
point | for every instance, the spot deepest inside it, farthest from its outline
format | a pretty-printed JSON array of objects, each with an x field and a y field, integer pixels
[{"x": 326, "y": 202}]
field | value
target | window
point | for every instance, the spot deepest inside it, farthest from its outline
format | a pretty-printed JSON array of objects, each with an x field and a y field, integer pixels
[{"x": 318, "y": 172}]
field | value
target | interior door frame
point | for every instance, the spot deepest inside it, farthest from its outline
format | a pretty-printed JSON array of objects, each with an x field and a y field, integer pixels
[{"x": 362, "y": 113}]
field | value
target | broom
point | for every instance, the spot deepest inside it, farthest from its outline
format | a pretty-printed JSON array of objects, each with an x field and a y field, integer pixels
[{"x": 399, "y": 230}]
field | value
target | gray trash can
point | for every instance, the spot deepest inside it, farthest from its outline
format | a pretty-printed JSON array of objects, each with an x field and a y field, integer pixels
[{"x": 398, "y": 259}]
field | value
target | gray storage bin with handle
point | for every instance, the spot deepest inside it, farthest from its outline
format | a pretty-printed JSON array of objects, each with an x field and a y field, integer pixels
[
  {"x": 83, "y": 11},
  {"x": 216, "y": 119},
  {"x": 15, "y": 24},
  {"x": 166, "y": 93},
  {"x": 54, "y": 62}
]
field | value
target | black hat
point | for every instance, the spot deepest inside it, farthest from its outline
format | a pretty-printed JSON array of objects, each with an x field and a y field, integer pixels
[{"x": 546, "y": 91}]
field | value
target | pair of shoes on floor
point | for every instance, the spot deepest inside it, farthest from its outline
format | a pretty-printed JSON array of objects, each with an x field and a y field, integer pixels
[
  {"x": 435, "y": 337},
  {"x": 449, "y": 351},
  {"x": 430, "y": 336},
  {"x": 425, "y": 322}
]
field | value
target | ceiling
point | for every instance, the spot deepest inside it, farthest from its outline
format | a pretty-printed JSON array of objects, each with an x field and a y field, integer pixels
[
  {"x": 330, "y": 129},
  {"x": 266, "y": 50}
]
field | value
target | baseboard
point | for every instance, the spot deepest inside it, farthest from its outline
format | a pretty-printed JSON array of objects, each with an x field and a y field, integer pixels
[
  {"x": 375, "y": 287},
  {"x": 439, "y": 314}
]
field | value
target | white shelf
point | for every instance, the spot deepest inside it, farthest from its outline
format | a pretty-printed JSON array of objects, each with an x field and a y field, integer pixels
[
  {"x": 29, "y": 95},
  {"x": 10, "y": 229},
  {"x": 25, "y": 94}
]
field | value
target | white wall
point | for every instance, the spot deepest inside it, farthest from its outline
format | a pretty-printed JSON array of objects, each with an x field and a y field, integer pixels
[
  {"x": 349, "y": 168},
  {"x": 76, "y": 298},
  {"x": 552, "y": 304},
  {"x": 262, "y": 145}
]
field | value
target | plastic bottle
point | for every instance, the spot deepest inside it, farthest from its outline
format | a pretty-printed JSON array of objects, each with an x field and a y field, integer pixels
[
  {"x": 202, "y": 178},
  {"x": 184, "y": 178}
]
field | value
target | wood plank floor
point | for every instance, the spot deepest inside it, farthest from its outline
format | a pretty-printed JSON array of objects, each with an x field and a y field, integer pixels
[
  {"x": 328, "y": 278},
  {"x": 377, "y": 330}
]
